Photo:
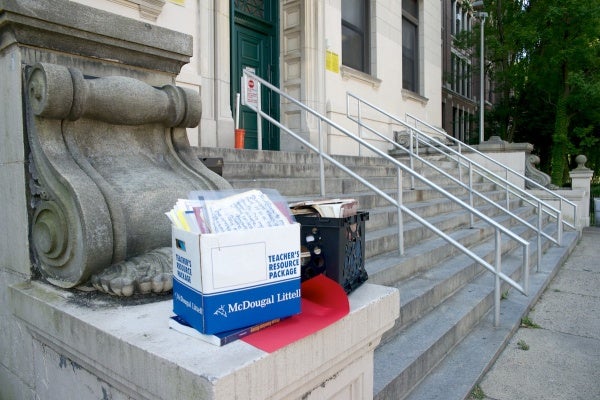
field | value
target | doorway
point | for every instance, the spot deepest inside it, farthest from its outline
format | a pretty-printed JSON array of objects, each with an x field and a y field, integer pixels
[{"x": 255, "y": 44}]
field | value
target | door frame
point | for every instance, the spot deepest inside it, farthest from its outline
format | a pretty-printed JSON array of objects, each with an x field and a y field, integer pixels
[{"x": 269, "y": 26}]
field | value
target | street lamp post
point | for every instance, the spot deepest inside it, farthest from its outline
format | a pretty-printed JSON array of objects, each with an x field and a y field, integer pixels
[{"x": 482, "y": 16}]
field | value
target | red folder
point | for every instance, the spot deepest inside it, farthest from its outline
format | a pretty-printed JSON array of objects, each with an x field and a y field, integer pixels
[{"x": 324, "y": 301}]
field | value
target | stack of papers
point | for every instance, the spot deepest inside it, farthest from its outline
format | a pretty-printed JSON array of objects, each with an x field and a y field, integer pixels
[
  {"x": 216, "y": 212},
  {"x": 331, "y": 208}
]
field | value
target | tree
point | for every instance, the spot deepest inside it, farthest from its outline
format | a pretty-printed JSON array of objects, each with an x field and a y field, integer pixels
[
  {"x": 564, "y": 68},
  {"x": 506, "y": 61},
  {"x": 544, "y": 59}
]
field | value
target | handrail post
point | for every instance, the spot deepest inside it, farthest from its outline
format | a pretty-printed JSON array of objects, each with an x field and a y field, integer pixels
[
  {"x": 410, "y": 156},
  {"x": 497, "y": 279},
  {"x": 560, "y": 226},
  {"x": 471, "y": 218},
  {"x": 526, "y": 268},
  {"x": 507, "y": 189},
  {"x": 359, "y": 128},
  {"x": 539, "y": 235},
  {"x": 417, "y": 142},
  {"x": 321, "y": 162},
  {"x": 259, "y": 118},
  {"x": 399, "y": 214},
  {"x": 458, "y": 161}
]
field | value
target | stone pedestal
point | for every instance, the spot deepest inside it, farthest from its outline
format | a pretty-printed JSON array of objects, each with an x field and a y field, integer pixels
[
  {"x": 89, "y": 348},
  {"x": 581, "y": 178}
]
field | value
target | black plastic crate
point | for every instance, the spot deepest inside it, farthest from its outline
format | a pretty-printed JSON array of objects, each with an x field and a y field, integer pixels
[{"x": 337, "y": 248}]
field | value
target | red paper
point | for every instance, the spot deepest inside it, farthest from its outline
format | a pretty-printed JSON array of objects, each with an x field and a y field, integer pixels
[{"x": 324, "y": 301}]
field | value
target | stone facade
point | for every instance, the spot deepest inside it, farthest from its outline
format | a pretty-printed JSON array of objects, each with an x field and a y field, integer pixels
[{"x": 309, "y": 30}]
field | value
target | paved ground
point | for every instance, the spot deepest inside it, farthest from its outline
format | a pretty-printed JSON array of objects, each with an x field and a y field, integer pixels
[{"x": 561, "y": 358}]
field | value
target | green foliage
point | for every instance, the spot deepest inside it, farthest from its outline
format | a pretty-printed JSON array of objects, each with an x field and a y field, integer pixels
[
  {"x": 544, "y": 57},
  {"x": 477, "y": 393},
  {"x": 526, "y": 322},
  {"x": 521, "y": 344}
]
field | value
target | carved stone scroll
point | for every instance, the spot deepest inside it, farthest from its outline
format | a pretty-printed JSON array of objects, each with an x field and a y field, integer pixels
[
  {"x": 536, "y": 175},
  {"x": 108, "y": 157}
]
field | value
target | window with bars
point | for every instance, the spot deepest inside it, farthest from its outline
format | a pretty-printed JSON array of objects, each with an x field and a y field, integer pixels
[{"x": 355, "y": 34}]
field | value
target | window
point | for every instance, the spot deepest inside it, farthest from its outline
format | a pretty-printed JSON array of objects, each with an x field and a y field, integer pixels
[
  {"x": 410, "y": 45},
  {"x": 460, "y": 75},
  {"x": 461, "y": 18},
  {"x": 355, "y": 34},
  {"x": 251, "y": 7},
  {"x": 456, "y": 17}
]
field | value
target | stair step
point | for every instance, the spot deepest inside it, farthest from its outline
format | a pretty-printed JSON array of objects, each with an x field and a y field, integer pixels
[
  {"x": 427, "y": 340},
  {"x": 427, "y": 252},
  {"x": 401, "y": 363},
  {"x": 384, "y": 239},
  {"x": 422, "y": 292},
  {"x": 456, "y": 375}
]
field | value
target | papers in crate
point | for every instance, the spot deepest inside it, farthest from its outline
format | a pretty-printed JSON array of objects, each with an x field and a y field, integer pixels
[{"x": 330, "y": 208}]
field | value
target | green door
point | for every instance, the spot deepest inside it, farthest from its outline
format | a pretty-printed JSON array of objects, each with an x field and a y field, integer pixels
[{"x": 255, "y": 44}]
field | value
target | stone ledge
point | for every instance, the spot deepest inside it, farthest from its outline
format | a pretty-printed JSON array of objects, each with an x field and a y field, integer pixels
[
  {"x": 133, "y": 350},
  {"x": 579, "y": 197},
  {"x": 69, "y": 27}
]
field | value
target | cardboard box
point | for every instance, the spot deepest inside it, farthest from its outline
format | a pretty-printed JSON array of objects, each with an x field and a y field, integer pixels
[{"x": 224, "y": 281}]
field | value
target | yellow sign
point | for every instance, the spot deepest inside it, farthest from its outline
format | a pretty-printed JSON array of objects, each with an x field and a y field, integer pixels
[
  {"x": 178, "y": 2},
  {"x": 332, "y": 62}
]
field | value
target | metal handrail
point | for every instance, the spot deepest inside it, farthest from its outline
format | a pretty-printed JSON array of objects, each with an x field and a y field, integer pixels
[
  {"x": 499, "y": 229},
  {"x": 438, "y": 146},
  {"x": 460, "y": 145},
  {"x": 459, "y": 182}
]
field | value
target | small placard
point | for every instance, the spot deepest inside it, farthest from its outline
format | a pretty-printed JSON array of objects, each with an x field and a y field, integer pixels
[
  {"x": 250, "y": 88},
  {"x": 332, "y": 62}
]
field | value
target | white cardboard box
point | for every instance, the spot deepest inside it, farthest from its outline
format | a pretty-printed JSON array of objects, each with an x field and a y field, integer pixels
[{"x": 224, "y": 281}]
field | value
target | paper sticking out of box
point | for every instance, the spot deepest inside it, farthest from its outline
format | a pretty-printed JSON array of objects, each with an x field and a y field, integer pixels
[
  {"x": 330, "y": 208},
  {"x": 227, "y": 279},
  {"x": 232, "y": 210}
]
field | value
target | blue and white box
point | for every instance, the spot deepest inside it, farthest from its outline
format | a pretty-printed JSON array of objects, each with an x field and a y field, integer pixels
[{"x": 229, "y": 280}]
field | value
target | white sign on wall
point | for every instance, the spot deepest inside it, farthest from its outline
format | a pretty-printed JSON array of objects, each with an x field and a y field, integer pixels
[{"x": 250, "y": 88}]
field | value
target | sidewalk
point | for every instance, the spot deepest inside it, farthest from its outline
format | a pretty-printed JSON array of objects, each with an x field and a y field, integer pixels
[{"x": 560, "y": 359}]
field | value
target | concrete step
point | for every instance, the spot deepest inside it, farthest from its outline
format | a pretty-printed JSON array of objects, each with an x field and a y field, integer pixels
[
  {"x": 306, "y": 180},
  {"x": 429, "y": 250},
  {"x": 248, "y": 157},
  {"x": 384, "y": 239},
  {"x": 456, "y": 374},
  {"x": 252, "y": 169},
  {"x": 451, "y": 299},
  {"x": 425, "y": 290}
]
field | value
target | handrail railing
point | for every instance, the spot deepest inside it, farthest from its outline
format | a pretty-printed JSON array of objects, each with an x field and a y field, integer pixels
[
  {"x": 507, "y": 170},
  {"x": 496, "y": 269},
  {"x": 417, "y": 137}
]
